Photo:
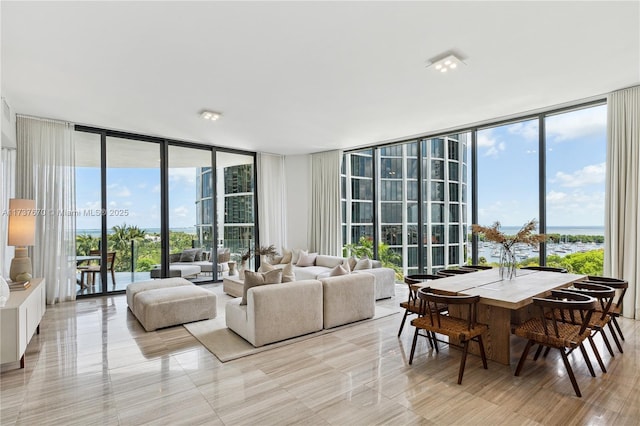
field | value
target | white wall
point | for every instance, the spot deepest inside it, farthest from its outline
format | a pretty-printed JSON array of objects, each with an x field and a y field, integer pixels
[{"x": 297, "y": 170}]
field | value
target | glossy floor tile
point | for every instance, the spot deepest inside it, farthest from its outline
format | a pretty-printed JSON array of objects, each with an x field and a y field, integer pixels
[{"x": 93, "y": 363}]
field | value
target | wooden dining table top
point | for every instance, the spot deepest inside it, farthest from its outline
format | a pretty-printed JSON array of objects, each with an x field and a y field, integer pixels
[{"x": 508, "y": 293}]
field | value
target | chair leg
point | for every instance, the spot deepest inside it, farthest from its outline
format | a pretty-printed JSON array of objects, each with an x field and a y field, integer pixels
[
  {"x": 482, "y": 354},
  {"x": 463, "y": 361},
  {"x": 615, "y": 337},
  {"x": 538, "y": 352},
  {"x": 523, "y": 357},
  {"x": 435, "y": 341},
  {"x": 404, "y": 318},
  {"x": 597, "y": 353},
  {"x": 615, "y": 322},
  {"x": 413, "y": 346},
  {"x": 605, "y": 339},
  {"x": 587, "y": 360},
  {"x": 113, "y": 277},
  {"x": 572, "y": 377}
]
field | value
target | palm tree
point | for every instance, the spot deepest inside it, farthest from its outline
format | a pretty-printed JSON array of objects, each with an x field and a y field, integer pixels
[
  {"x": 85, "y": 243},
  {"x": 120, "y": 241}
]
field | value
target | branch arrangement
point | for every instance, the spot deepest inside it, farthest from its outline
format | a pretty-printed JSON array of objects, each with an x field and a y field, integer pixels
[
  {"x": 261, "y": 250},
  {"x": 524, "y": 235}
]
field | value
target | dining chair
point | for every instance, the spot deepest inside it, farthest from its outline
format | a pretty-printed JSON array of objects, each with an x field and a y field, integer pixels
[
  {"x": 563, "y": 324},
  {"x": 546, "y": 269},
  {"x": 600, "y": 318},
  {"x": 477, "y": 267},
  {"x": 412, "y": 305},
  {"x": 434, "y": 321},
  {"x": 92, "y": 270},
  {"x": 616, "y": 306},
  {"x": 452, "y": 272}
]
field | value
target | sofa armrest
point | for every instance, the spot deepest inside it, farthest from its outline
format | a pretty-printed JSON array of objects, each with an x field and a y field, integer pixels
[
  {"x": 348, "y": 298},
  {"x": 385, "y": 281},
  {"x": 280, "y": 311}
]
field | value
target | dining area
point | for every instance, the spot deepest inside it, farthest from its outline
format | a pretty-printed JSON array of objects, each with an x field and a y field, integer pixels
[{"x": 490, "y": 317}]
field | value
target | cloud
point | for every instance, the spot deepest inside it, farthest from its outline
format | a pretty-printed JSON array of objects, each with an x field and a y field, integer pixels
[
  {"x": 183, "y": 174},
  {"x": 117, "y": 190},
  {"x": 181, "y": 211},
  {"x": 156, "y": 188},
  {"x": 588, "y": 175},
  {"x": 577, "y": 124},
  {"x": 488, "y": 143},
  {"x": 576, "y": 208},
  {"x": 527, "y": 129}
]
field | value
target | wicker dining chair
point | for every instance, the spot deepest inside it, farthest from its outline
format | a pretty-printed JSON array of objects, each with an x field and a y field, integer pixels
[
  {"x": 452, "y": 272},
  {"x": 616, "y": 306},
  {"x": 563, "y": 324},
  {"x": 434, "y": 321},
  {"x": 600, "y": 318},
  {"x": 477, "y": 267},
  {"x": 546, "y": 269},
  {"x": 412, "y": 305}
]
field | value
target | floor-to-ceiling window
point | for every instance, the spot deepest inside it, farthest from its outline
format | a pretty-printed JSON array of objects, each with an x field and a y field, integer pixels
[
  {"x": 150, "y": 199},
  {"x": 575, "y": 151},
  {"x": 508, "y": 181},
  {"x": 549, "y": 167}
]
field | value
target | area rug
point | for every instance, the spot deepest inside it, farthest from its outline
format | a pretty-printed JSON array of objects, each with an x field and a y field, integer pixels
[{"x": 227, "y": 345}]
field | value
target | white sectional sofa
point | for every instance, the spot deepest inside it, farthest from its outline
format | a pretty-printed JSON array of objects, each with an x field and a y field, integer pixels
[
  {"x": 282, "y": 311},
  {"x": 384, "y": 277}
]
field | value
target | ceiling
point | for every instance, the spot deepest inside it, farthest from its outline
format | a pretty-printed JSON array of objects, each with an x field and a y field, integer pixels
[{"x": 301, "y": 77}]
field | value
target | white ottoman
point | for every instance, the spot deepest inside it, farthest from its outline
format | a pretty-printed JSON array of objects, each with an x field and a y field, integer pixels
[
  {"x": 168, "y": 302},
  {"x": 135, "y": 288}
]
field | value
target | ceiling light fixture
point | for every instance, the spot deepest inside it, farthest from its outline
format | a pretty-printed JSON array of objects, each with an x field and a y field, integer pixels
[
  {"x": 210, "y": 115},
  {"x": 449, "y": 62}
]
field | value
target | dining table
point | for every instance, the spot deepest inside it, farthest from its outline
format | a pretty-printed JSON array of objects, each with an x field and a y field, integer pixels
[{"x": 503, "y": 303}]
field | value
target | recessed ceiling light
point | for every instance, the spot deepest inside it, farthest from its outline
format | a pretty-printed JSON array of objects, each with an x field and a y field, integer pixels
[
  {"x": 444, "y": 64},
  {"x": 210, "y": 115}
]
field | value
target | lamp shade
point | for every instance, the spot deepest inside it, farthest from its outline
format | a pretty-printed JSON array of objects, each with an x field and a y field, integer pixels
[{"x": 22, "y": 222}]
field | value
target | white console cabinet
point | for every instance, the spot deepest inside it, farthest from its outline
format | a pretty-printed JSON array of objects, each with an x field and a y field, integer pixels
[{"x": 20, "y": 319}]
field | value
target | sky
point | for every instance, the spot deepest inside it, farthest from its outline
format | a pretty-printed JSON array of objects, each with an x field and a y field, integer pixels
[
  {"x": 507, "y": 179},
  {"x": 133, "y": 197},
  {"x": 575, "y": 183}
]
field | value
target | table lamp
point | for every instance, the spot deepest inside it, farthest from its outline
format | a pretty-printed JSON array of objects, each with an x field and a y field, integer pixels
[{"x": 22, "y": 233}]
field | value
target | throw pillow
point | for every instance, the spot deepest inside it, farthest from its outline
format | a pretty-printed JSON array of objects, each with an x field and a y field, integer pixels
[
  {"x": 255, "y": 279},
  {"x": 287, "y": 273},
  {"x": 364, "y": 263},
  {"x": 198, "y": 257},
  {"x": 296, "y": 255},
  {"x": 307, "y": 259},
  {"x": 339, "y": 270},
  {"x": 352, "y": 262},
  {"x": 287, "y": 256},
  {"x": 188, "y": 255},
  {"x": 266, "y": 267}
]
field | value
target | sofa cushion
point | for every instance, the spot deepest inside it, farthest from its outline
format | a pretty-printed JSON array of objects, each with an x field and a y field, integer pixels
[
  {"x": 339, "y": 270},
  {"x": 347, "y": 298},
  {"x": 287, "y": 273},
  {"x": 287, "y": 256},
  {"x": 363, "y": 263},
  {"x": 255, "y": 279},
  {"x": 266, "y": 267},
  {"x": 307, "y": 259},
  {"x": 296, "y": 255},
  {"x": 189, "y": 255},
  {"x": 352, "y": 262},
  {"x": 329, "y": 261}
]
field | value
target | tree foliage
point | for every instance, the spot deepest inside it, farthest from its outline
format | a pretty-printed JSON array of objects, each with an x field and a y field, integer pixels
[{"x": 388, "y": 257}]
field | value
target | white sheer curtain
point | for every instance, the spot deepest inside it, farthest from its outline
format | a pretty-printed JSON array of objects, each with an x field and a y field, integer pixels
[
  {"x": 46, "y": 174},
  {"x": 325, "y": 233},
  {"x": 272, "y": 203},
  {"x": 7, "y": 190},
  {"x": 622, "y": 216}
]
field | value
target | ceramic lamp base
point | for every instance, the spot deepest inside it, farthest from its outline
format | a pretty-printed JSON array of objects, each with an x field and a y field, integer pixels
[{"x": 21, "y": 266}]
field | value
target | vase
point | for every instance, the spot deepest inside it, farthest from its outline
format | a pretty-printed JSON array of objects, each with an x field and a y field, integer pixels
[
  {"x": 241, "y": 270},
  {"x": 507, "y": 263},
  {"x": 4, "y": 292}
]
